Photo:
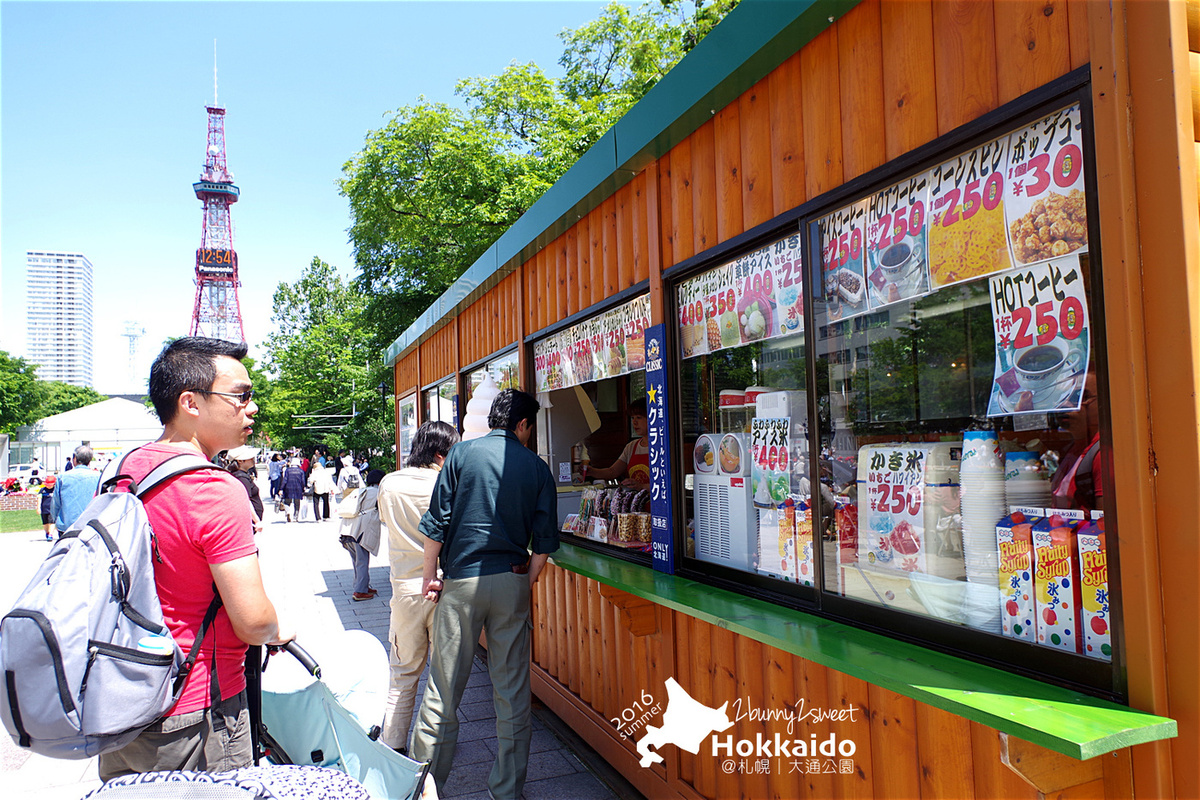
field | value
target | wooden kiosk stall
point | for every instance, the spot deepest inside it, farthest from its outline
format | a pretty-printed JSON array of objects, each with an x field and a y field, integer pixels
[{"x": 911, "y": 290}]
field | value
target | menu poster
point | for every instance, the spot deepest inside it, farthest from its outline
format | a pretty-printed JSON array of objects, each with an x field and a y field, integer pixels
[
  {"x": 755, "y": 297},
  {"x": 1045, "y": 200},
  {"x": 1039, "y": 314},
  {"x": 548, "y": 364},
  {"x": 967, "y": 237},
  {"x": 789, "y": 292},
  {"x": 892, "y": 535},
  {"x": 607, "y": 345},
  {"x": 843, "y": 235},
  {"x": 896, "y": 266},
  {"x": 769, "y": 451},
  {"x": 693, "y": 324},
  {"x": 754, "y": 280}
]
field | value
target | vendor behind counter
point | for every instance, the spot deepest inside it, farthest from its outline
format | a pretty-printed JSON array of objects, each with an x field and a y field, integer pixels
[{"x": 632, "y": 467}]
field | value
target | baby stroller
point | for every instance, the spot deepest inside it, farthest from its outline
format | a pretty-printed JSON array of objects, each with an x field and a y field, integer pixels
[
  {"x": 335, "y": 722},
  {"x": 315, "y": 737}
]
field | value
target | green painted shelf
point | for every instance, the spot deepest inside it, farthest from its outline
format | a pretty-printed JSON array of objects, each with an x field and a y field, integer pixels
[{"x": 1059, "y": 719}]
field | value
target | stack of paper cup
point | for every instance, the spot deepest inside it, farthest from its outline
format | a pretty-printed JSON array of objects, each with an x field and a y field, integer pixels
[
  {"x": 1025, "y": 481},
  {"x": 981, "y": 484}
]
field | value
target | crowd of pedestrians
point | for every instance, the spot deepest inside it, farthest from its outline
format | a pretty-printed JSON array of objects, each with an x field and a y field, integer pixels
[{"x": 469, "y": 526}]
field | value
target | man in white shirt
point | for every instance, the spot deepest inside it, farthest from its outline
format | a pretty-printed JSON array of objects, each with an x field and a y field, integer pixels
[{"x": 403, "y": 499}]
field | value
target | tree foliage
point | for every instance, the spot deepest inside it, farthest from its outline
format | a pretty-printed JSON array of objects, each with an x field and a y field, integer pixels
[
  {"x": 19, "y": 393},
  {"x": 323, "y": 363},
  {"x": 58, "y": 397},
  {"x": 429, "y": 192},
  {"x": 435, "y": 186},
  {"x": 24, "y": 399}
]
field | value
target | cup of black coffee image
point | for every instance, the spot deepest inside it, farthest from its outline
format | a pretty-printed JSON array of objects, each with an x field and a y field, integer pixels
[
  {"x": 1042, "y": 366},
  {"x": 896, "y": 259}
]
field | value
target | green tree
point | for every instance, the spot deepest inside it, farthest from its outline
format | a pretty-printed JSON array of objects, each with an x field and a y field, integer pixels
[
  {"x": 325, "y": 368},
  {"x": 20, "y": 393},
  {"x": 435, "y": 186},
  {"x": 58, "y": 397}
]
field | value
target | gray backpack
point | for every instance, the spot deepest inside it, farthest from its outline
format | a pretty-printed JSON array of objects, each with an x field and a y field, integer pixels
[{"x": 76, "y": 683}]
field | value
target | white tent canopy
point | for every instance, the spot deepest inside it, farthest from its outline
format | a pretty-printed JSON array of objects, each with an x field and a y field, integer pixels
[{"x": 109, "y": 427}]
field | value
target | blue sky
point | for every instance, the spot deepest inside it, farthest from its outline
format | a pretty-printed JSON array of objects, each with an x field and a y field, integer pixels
[{"x": 103, "y": 123}]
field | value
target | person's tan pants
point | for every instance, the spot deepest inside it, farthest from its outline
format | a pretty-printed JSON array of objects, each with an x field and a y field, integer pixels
[{"x": 410, "y": 632}]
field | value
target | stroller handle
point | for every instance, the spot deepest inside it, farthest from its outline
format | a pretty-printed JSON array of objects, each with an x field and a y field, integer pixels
[{"x": 307, "y": 661}]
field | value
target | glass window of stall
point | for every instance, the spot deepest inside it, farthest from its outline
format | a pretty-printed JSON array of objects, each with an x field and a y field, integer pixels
[
  {"x": 591, "y": 380},
  {"x": 744, "y": 416},
  {"x": 407, "y": 416},
  {"x": 441, "y": 402},
  {"x": 955, "y": 345},
  {"x": 500, "y": 373},
  {"x": 504, "y": 372}
]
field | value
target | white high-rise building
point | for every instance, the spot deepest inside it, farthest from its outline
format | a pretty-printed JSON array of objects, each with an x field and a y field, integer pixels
[{"x": 59, "y": 314}]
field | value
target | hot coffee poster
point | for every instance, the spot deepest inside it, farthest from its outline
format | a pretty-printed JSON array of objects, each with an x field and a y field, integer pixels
[
  {"x": 1043, "y": 342},
  {"x": 896, "y": 264}
]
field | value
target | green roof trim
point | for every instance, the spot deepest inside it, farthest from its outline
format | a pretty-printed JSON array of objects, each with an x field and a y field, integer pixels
[
  {"x": 755, "y": 38},
  {"x": 1062, "y": 720}
]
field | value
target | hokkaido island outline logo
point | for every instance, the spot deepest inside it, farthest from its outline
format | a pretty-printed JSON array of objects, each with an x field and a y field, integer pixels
[{"x": 686, "y": 723}]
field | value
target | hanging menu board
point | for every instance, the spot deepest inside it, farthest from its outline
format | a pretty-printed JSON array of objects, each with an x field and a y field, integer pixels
[
  {"x": 605, "y": 346},
  {"x": 1016, "y": 200},
  {"x": 753, "y": 298},
  {"x": 1040, "y": 320}
]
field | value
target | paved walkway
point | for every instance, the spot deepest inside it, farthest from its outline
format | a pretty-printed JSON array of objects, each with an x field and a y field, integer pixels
[{"x": 308, "y": 576}]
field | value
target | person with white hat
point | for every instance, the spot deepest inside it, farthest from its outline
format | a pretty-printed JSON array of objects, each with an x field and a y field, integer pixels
[
  {"x": 349, "y": 479},
  {"x": 241, "y": 464}
]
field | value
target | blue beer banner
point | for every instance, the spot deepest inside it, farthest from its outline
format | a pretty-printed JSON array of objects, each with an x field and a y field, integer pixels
[{"x": 662, "y": 540}]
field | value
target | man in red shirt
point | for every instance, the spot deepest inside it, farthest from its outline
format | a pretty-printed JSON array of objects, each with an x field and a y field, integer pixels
[{"x": 204, "y": 528}]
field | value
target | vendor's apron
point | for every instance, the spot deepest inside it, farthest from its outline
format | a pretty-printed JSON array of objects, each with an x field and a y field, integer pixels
[{"x": 639, "y": 466}]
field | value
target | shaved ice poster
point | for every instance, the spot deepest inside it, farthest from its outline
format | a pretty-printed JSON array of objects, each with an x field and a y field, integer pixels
[{"x": 892, "y": 530}]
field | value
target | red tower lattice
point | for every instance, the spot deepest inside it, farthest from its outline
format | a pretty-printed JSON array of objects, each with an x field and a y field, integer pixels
[{"x": 217, "y": 312}]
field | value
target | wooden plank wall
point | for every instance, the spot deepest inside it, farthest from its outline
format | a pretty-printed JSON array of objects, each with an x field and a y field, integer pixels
[
  {"x": 1193, "y": 25},
  {"x": 490, "y": 323},
  {"x": 439, "y": 354},
  {"x": 581, "y": 267},
  {"x": 406, "y": 376}
]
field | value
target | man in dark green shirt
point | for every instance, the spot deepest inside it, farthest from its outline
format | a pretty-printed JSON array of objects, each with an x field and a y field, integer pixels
[{"x": 494, "y": 500}]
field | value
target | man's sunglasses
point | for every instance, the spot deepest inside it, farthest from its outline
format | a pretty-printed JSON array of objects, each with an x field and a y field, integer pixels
[{"x": 242, "y": 397}]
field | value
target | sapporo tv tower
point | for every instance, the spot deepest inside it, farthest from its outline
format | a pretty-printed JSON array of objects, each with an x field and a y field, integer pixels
[{"x": 216, "y": 312}]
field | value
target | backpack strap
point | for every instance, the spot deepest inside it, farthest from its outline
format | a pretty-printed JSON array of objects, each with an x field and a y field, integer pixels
[
  {"x": 171, "y": 468},
  {"x": 185, "y": 669},
  {"x": 175, "y": 465}
]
